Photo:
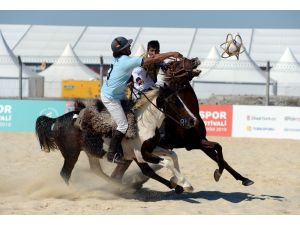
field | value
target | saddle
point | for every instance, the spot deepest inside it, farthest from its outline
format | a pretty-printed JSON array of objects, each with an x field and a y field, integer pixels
[{"x": 95, "y": 118}]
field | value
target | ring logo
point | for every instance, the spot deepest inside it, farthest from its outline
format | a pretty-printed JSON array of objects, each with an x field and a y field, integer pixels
[{"x": 50, "y": 112}]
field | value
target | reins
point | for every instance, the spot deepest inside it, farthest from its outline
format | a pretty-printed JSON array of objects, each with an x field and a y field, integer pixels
[
  {"x": 174, "y": 75},
  {"x": 149, "y": 100}
]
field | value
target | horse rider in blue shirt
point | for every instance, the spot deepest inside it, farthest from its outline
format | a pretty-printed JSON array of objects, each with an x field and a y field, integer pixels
[{"x": 113, "y": 89}]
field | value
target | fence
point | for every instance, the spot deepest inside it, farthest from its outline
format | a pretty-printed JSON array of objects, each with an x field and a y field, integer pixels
[
  {"x": 258, "y": 73},
  {"x": 220, "y": 120}
]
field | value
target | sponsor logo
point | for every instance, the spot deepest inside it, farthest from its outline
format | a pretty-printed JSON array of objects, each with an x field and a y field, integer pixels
[
  {"x": 292, "y": 129},
  {"x": 5, "y": 115},
  {"x": 69, "y": 87},
  {"x": 4, "y": 109},
  {"x": 217, "y": 119},
  {"x": 213, "y": 115},
  {"x": 292, "y": 118},
  {"x": 252, "y": 128},
  {"x": 261, "y": 118}
]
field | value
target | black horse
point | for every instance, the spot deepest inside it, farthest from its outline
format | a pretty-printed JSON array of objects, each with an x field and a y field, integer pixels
[{"x": 60, "y": 133}]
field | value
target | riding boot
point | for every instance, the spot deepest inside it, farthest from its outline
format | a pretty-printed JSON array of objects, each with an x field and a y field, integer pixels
[{"x": 115, "y": 152}]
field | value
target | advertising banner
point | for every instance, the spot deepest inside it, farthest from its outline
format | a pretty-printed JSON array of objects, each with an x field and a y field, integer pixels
[
  {"x": 20, "y": 115},
  {"x": 266, "y": 122},
  {"x": 80, "y": 88},
  {"x": 217, "y": 119}
]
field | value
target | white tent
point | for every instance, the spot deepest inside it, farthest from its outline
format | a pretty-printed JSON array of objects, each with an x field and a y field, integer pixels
[
  {"x": 287, "y": 74},
  {"x": 67, "y": 67},
  {"x": 140, "y": 50},
  {"x": 232, "y": 77},
  {"x": 32, "y": 84},
  {"x": 210, "y": 61}
]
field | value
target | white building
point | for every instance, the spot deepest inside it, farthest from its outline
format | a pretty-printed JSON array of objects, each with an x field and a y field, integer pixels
[
  {"x": 32, "y": 84},
  {"x": 287, "y": 74},
  {"x": 67, "y": 67}
]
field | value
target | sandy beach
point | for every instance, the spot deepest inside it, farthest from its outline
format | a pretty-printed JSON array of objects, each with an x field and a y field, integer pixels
[{"x": 30, "y": 182}]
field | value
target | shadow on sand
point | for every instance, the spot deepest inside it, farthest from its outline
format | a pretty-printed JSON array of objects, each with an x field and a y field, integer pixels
[{"x": 147, "y": 195}]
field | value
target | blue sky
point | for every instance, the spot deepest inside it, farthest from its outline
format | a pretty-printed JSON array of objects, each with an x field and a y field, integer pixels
[{"x": 154, "y": 18}]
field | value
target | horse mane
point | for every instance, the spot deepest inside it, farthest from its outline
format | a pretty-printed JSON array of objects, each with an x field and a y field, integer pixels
[{"x": 143, "y": 100}]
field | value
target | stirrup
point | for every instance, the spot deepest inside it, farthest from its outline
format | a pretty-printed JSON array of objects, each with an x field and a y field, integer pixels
[{"x": 117, "y": 159}]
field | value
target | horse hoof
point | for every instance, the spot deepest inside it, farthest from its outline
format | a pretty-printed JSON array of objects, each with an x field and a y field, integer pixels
[
  {"x": 173, "y": 184},
  {"x": 188, "y": 189},
  {"x": 217, "y": 175},
  {"x": 65, "y": 178},
  {"x": 66, "y": 181},
  {"x": 179, "y": 189},
  {"x": 247, "y": 182},
  {"x": 136, "y": 186}
]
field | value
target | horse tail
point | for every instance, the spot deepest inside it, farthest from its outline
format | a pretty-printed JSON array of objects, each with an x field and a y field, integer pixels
[{"x": 43, "y": 130}]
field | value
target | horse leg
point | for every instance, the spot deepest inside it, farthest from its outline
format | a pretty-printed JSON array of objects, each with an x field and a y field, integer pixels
[
  {"x": 137, "y": 179},
  {"x": 70, "y": 158},
  {"x": 134, "y": 181},
  {"x": 235, "y": 174},
  {"x": 97, "y": 169},
  {"x": 147, "y": 147},
  {"x": 119, "y": 171},
  {"x": 93, "y": 162},
  {"x": 171, "y": 162},
  {"x": 217, "y": 148},
  {"x": 146, "y": 170}
]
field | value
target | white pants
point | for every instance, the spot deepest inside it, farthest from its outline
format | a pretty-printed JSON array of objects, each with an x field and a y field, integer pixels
[{"x": 116, "y": 111}]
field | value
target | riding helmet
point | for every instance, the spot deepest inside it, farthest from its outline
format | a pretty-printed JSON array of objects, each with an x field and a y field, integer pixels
[{"x": 119, "y": 44}]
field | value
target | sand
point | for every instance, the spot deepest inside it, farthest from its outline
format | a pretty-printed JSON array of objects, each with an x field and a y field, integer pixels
[{"x": 30, "y": 182}]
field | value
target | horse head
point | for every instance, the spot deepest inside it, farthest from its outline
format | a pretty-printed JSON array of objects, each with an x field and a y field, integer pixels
[
  {"x": 174, "y": 108},
  {"x": 181, "y": 71},
  {"x": 178, "y": 74}
]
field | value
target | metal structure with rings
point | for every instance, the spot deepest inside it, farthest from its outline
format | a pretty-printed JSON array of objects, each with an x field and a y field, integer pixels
[{"x": 232, "y": 46}]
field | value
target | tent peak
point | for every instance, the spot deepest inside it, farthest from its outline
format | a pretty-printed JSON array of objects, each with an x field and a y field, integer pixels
[
  {"x": 140, "y": 50},
  {"x": 213, "y": 53},
  {"x": 288, "y": 56}
]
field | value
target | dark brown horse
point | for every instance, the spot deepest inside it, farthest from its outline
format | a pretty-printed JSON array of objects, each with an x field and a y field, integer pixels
[
  {"x": 60, "y": 133},
  {"x": 178, "y": 75},
  {"x": 179, "y": 79}
]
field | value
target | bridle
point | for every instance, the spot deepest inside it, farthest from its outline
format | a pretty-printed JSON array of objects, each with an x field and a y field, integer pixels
[
  {"x": 179, "y": 73},
  {"x": 181, "y": 122}
]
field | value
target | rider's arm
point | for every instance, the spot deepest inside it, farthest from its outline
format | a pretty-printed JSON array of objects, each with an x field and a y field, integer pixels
[{"x": 160, "y": 57}]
